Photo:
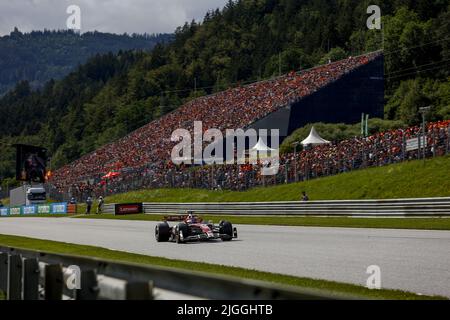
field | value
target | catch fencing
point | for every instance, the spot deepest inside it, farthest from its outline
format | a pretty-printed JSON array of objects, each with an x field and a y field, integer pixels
[{"x": 32, "y": 275}]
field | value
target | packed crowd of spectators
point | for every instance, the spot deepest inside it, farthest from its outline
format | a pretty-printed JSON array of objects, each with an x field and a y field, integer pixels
[
  {"x": 143, "y": 157},
  {"x": 313, "y": 161},
  {"x": 232, "y": 109}
]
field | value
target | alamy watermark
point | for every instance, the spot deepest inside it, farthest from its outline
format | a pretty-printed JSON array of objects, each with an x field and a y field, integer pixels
[
  {"x": 73, "y": 277},
  {"x": 374, "y": 21},
  {"x": 236, "y": 142},
  {"x": 73, "y": 22}
]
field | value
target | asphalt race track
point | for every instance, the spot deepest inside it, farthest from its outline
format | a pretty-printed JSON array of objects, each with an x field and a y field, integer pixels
[{"x": 412, "y": 260}]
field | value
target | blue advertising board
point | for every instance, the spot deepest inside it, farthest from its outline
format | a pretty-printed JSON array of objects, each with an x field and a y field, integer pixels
[
  {"x": 51, "y": 208},
  {"x": 4, "y": 211},
  {"x": 59, "y": 208},
  {"x": 29, "y": 210}
]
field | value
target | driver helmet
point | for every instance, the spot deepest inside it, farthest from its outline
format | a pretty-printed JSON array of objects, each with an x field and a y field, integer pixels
[{"x": 191, "y": 218}]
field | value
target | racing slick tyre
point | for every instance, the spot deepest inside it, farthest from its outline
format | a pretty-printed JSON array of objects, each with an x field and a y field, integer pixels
[
  {"x": 181, "y": 232},
  {"x": 162, "y": 232},
  {"x": 226, "y": 228}
]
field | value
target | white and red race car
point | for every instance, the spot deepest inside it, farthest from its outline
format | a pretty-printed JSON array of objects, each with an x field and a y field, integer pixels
[{"x": 192, "y": 228}]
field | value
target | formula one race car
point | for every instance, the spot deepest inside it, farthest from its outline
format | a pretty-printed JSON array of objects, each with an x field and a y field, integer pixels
[{"x": 192, "y": 228}]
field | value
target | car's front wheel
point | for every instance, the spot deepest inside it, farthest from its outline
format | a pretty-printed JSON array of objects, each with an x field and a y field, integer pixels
[{"x": 226, "y": 229}]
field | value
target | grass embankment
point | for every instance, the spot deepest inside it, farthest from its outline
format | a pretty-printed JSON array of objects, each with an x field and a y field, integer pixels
[
  {"x": 343, "y": 222},
  {"x": 405, "y": 180},
  {"x": 89, "y": 251}
]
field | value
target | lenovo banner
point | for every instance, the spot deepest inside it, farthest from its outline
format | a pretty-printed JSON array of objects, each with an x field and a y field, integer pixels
[{"x": 128, "y": 208}]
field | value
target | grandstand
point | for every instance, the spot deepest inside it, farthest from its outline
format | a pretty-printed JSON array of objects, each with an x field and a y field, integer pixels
[
  {"x": 341, "y": 101},
  {"x": 381, "y": 149},
  {"x": 315, "y": 94}
]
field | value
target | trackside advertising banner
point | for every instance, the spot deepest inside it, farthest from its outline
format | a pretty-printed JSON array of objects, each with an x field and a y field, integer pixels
[
  {"x": 128, "y": 208},
  {"x": 44, "y": 209},
  {"x": 29, "y": 210},
  {"x": 15, "y": 211},
  {"x": 51, "y": 208},
  {"x": 59, "y": 208},
  {"x": 4, "y": 212}
]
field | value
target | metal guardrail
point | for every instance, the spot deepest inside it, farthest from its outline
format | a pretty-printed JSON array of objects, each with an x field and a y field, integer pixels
[
  {"x": 393, "y": 207},
  {"x": 32, "y": 275}
]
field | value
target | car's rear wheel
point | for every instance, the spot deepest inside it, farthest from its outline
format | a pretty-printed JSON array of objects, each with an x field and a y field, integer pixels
[
  {"x": 162, "y": 232},
  {"x": 226, "y": 229}
]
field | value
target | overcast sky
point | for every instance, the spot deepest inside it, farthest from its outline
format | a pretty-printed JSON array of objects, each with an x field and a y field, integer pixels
[{"x": 115, "y": 16}]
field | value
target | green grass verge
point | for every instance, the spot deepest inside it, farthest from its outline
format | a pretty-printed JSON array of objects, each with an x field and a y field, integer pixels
[
  {"x": 405, "y": 180},
  {"x": 341, "y": 222},
  {"x": 90, "y": 251},
  {"x": 344, "y": 222}
]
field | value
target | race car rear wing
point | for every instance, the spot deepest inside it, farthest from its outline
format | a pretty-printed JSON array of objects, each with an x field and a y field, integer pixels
[
  {"x": 175, "y": 218},
  {"x": 180, "y": 217}
]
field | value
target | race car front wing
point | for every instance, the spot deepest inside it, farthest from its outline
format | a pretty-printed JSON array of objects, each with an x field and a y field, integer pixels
[{"x": 209, "y": 236}]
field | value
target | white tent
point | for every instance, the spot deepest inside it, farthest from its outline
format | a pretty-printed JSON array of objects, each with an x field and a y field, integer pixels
[
  {"x": 262, "y": 151},
  {"x": 314, "y": 139},
  {"x": 261, "y": 146}
]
